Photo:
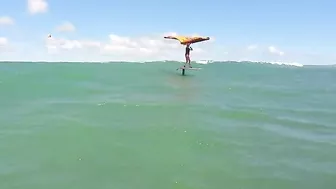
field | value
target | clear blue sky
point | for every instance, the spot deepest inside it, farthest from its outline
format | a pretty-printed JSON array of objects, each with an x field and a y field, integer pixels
[{"x": 300, "y": 26}]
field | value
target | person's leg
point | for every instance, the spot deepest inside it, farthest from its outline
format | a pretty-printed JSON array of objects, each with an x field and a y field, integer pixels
[{"x": 189, "y": 61}]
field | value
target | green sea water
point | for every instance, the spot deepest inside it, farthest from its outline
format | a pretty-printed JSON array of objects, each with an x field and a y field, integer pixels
[{"x": 145, "y": 126}]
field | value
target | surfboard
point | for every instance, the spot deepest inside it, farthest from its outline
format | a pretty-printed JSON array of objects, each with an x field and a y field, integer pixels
[{"x": 187, "y": 68}]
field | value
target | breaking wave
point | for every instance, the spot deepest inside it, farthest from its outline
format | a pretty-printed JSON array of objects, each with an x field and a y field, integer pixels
[
  {"x": 232, "y": 62},
  {"x": 171, "y": 61}
]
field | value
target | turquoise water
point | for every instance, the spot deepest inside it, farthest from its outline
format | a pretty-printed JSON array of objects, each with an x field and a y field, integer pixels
[{"x": 143, "y": 126}]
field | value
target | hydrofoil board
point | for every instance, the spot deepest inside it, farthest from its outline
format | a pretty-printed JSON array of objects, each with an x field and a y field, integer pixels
[{"x": 187, "y": 68}]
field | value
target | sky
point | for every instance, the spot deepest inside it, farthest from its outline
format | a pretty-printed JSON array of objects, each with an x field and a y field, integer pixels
[{"x": 103, "y": 30}]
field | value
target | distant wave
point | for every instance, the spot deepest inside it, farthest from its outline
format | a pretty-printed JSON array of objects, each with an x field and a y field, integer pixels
[
  {"x": 275, "y": 63},
  {"x": 232, "y": 62},
  {"x": 170, "y": 61},
  {"x": 215, "y": 62}
]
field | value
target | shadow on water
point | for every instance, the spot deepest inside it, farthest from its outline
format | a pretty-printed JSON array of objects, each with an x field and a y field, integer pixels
[
  {"x": 183, "y": 88},
  {"x": 175, "y": 72}
]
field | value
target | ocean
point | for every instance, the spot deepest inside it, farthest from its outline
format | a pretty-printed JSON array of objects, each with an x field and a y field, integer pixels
[{"x": 234, "y": 125}]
